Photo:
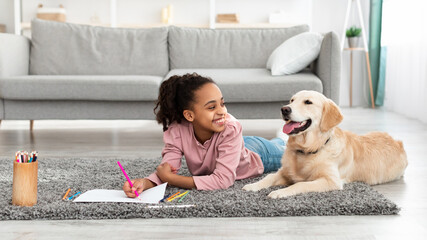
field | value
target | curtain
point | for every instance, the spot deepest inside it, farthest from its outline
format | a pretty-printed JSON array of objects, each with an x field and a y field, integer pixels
[
  {"x": 376, "y": 52},
  {"x": 405, "y": 35}
]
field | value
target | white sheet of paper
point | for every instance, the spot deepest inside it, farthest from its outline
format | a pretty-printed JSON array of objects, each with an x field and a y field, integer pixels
[{"x": 152, "y": 195}]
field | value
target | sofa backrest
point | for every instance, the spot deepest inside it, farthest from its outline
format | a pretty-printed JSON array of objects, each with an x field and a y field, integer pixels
[
  {"x": 225, "y": 48},
  {"x": 72, "y": 49}
]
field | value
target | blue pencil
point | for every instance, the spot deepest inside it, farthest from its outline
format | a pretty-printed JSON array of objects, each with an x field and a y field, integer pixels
[
  {"x": 165, "y": 198},
  {"x": 73, "y": 196}
]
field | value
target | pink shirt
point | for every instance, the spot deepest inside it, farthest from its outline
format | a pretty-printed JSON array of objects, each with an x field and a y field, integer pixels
[{"x": 217, "y": 163}]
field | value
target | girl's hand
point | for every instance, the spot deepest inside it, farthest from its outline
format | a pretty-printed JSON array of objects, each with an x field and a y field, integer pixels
[
  {"x": 174, "y": 170},
  {"x": 138, "y": 185},
  {"x": 164, "y": 170}
]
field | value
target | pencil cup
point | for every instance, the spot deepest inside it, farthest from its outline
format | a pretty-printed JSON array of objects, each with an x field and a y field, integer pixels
[{"x": 24, "y": 190}]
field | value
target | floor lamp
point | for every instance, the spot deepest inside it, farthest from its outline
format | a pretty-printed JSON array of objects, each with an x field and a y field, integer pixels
[{"x": 365, "y": 47}]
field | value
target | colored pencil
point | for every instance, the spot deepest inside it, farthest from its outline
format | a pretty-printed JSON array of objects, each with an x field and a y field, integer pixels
[
  {"x": 165, "y": 198},
  {"x": 25, "y": 157},
  {"x": 183, "y": 197},
  {"x": 73, "y": 196},
  {"x": 173, "y": 196},
  {"x": 31, "y": 156},
  {"x": 130, "y": 182},
  {"x": 66, "y": 194},
  {"x": 180, "y": 195}
]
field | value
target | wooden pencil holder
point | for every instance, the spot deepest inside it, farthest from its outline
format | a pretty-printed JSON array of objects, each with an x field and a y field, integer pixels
[{"x": 24, "y": 190}]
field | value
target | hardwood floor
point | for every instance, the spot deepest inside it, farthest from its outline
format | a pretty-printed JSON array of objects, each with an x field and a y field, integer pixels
[{"x": 144, "y": 138}]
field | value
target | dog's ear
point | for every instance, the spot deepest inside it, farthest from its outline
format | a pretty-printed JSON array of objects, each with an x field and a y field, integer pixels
[{"x": 331, "y": 116}]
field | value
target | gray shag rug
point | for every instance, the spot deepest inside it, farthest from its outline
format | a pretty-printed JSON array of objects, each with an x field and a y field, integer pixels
[{"x": 55, "y": 176}]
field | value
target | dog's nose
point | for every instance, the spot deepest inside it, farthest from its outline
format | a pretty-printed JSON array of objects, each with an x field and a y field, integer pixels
[{"x": 286, "y": 111}]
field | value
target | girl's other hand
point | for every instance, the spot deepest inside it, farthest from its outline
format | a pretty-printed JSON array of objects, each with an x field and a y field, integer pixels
[
  {"x": 174, "y": 170},
  {"x": 138, "y": 185},
  {"x": 164, "y": 170}
]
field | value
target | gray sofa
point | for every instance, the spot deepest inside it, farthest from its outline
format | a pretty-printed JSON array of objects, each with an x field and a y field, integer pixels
[{"x": 69, "y": 71}]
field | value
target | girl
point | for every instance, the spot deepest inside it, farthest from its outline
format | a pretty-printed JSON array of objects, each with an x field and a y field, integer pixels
[{"x": 196, "y": 124}]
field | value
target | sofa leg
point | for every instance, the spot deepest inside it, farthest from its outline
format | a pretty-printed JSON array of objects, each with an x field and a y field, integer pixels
[{"x": 31, "y": 125}]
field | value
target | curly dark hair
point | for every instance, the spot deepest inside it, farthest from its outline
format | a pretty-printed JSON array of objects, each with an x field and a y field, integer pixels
[{"x": 176, "y": 94}]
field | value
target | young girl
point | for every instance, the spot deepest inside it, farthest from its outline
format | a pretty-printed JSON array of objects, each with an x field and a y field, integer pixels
[{"x": 196, "y": 124}]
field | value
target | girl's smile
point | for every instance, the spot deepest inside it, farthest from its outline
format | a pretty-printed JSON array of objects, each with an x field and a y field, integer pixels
[
  {"x": 219, "y": 121},
  {"x": 208, "y": 113}
]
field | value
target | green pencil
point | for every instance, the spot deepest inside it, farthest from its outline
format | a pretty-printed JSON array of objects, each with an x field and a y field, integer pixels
[{"x": 183, "y": 197}]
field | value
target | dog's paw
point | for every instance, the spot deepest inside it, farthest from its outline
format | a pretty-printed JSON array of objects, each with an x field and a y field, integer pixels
[
  {"x": 252, "y": 187},
  {"x": 281, "y": 193}
]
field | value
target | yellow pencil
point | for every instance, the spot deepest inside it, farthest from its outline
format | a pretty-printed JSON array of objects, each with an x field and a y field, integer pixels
[
  {"x": 180, "y": 195},
  {"x": 169, "y": 198},
  {"x": 68, "y": 191}
]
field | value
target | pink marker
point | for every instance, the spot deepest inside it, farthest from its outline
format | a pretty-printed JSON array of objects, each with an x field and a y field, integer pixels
[{"x": 130, "y": 182}]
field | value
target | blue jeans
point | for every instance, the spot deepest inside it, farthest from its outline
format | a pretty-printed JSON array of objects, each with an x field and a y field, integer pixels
[{"x": 270, "y": 151}]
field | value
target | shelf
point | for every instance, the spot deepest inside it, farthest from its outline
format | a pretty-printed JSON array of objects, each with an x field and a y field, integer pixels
[
  {"x": 27, "y": 25},
  {"x": 113, "y": 12}
]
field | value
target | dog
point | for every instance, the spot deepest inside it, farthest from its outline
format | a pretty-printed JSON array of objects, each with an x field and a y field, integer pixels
[{"x": 321, "y": 157}]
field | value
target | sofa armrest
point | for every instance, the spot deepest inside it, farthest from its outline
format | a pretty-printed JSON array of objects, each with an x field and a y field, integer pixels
[
  {"x": 328, "y": 66},
  {"x": 14, "y": 55}
]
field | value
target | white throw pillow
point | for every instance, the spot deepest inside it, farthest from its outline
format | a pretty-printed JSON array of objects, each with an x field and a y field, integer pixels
[{"x": 295, "y": 54}]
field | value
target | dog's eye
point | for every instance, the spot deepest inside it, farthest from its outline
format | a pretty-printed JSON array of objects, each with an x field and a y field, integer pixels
[
  {"x": 308, "y": 102},
  {"x": 291, "y": 100}
]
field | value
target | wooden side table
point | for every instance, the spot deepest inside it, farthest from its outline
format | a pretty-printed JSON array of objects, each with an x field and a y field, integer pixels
[{"x": 368, "y": 66}]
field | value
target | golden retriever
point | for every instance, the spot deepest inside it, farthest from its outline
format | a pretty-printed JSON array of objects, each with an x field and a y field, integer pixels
[{"x": 321, "y": 157}]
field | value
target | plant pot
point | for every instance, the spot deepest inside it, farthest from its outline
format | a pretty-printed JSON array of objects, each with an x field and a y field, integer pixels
[{"x": 353, "y": 42}]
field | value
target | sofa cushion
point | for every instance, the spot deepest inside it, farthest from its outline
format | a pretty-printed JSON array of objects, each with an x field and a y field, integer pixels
[
  {"x": 72, "y": 49},
  {"x": 257, "y": 84},
  {"x": 109, "y": 88},
  {"x": 295, "y": 54},
  {"x": 225, "y": 48}
]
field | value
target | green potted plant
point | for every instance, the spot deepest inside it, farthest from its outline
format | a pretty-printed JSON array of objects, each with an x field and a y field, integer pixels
[{"x": 353, "y": 34}]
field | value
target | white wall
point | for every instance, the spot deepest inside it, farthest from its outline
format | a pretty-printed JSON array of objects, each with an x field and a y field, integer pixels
[
  {"x": 185, "y": 11},
  {"x": 321, "y": 15}
]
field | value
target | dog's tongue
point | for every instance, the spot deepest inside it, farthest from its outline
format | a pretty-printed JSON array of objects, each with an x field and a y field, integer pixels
[{"x": 288, "y": 127}]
